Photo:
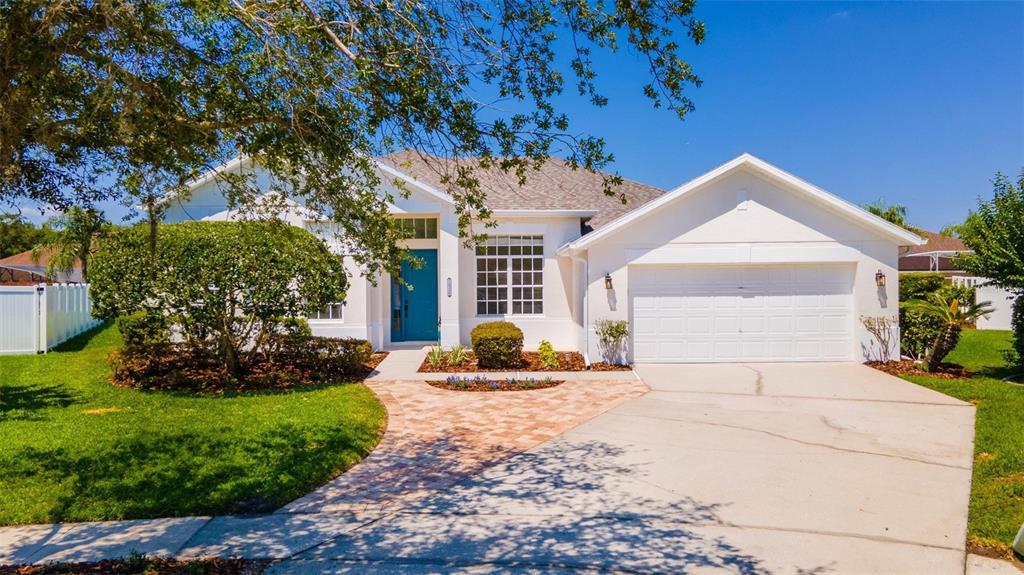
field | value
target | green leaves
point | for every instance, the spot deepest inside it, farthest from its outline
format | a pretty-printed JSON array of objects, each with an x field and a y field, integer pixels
[
  {"x": 995, "y": 235},
  {"x": 224, "y": 284},
  {"x": 312, "y": 91}
]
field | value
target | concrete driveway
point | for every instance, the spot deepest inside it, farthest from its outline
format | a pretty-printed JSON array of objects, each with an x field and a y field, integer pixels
[{"x": 772, "y": 468}]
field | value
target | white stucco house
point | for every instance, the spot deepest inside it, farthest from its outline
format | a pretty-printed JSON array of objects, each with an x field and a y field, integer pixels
[{"x": 744, "y": 263}]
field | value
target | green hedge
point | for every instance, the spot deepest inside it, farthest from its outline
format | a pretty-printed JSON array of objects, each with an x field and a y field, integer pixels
[
  {"x": 497, "y": 344},
  {"x": 143, "y": 329},
  {"x": 920, "y": 285}
]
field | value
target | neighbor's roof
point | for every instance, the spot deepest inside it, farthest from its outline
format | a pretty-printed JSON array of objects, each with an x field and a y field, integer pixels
[
  {"x": 556, "y": 186},
  {"x": 936, "y": 243},
  {"x": 24, "y": 263}
]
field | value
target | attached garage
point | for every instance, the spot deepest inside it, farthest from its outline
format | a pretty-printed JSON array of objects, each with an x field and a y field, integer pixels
[
  {"x": 742, "y": 313},
  {"x": 746, "y": 263}
]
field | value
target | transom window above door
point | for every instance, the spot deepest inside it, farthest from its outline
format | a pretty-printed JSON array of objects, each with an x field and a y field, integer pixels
[
  {"x": 419, "y": 228},
  {"x": 510, "y": 275}
]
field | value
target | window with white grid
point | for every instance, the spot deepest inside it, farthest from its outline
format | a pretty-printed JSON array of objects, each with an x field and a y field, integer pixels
[
  {"x": 331, "y": 311},
  {"x": 510, "y": 275}
]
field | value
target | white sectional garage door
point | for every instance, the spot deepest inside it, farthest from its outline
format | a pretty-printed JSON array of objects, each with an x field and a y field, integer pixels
[{"x": 764, "y": 313}]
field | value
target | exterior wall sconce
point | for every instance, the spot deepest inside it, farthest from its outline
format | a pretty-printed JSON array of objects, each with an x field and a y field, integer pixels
[
  {"x": 608, "y": 281},
  {"x": 879, "y": 279}
]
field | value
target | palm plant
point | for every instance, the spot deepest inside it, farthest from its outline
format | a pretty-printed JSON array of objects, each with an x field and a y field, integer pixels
[
  {"x": 954, "y": 315},
  {"x": 76, "y": 232}
]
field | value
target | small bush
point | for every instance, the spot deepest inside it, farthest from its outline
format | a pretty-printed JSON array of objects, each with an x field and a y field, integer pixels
[
  {"x": 611, "y": 339},
  {"x": 436, "y": 357},
  {"x": 143, "y": 329},
  {"x": 456, "y": 355},
  {"x": 917, "y": 331},
  {"x": 497, "y": 344},
  {"x": 332, "y": 356},
  {"x": 547, "y": 355}
]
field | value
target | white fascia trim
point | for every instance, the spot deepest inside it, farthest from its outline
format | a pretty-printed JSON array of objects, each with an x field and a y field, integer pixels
[
  {"x": 750, "y": 161},
  {"x": 938, "y": 253},
  {"x": 443, "y": 196},
  {"x": 544, "y": 213}
]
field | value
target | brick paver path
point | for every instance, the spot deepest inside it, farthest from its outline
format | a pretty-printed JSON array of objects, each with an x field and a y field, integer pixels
[{"x": 437, "y": 438}]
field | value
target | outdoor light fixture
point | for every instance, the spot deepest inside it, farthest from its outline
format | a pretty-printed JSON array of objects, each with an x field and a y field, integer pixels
[
  {"x": 607, "y": 281},
  {"x": 879, "y": 279}
]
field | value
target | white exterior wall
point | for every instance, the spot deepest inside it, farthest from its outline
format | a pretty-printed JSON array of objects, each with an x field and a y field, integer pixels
[
  {"x": 558, "y": 323},
  {"x": 743, "y": 219}
]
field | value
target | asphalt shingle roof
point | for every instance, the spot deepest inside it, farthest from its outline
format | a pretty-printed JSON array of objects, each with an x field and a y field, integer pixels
[{"x": 556, "y": 186}]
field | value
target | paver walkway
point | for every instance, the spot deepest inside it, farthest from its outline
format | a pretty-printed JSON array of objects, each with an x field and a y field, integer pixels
[{"x": 435, "y": 439}]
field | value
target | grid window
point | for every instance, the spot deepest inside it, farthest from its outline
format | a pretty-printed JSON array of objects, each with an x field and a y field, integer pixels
[
  {"x": 330, "y": 311},
  {"x": 420, "y": 228},
  {"x": 510, "y": 275}
]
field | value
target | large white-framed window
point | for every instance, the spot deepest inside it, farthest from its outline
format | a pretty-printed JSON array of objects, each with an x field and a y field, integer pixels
[
  {"x": 331, "y": 312},
  {"x": 510, "y": 275}
]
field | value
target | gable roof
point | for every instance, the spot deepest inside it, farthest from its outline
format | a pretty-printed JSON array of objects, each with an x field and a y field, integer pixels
[
  {"x": 749, "y": 161},
  {"x": 936, "y": 242},
  {"x": 555, "y": 187}
]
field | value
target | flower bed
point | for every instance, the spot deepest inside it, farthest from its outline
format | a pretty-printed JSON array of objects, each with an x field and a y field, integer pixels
[
  {"x": 481, "y": 383},
  {"x": 567, "y": 361}
]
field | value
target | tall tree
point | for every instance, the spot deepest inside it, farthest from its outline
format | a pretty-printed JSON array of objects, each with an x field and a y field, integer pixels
[
  {"x": 74, "y": 241},
  {"x": 313, "y": 90},
  {"x": 18, "y": 235},
  {"x": 994, "y": 233}
]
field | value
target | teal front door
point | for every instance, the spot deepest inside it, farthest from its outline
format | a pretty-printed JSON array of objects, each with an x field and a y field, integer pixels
[{"x": 414, "y": 306}]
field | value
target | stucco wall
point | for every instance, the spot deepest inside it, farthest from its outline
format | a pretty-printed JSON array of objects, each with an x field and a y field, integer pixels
[
  {"x": 744, "y": 218},
  {"x": 556, "y": 323}
]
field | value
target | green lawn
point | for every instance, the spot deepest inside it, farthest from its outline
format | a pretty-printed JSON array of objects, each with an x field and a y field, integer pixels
[
  {"x": 76, "y": 448},
  {"x": 997, "y": 492}
]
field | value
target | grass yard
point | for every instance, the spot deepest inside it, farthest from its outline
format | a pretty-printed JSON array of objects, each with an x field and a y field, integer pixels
[
  {"x": 997, "y": 492},
  {"x": 76, "y": 448}
]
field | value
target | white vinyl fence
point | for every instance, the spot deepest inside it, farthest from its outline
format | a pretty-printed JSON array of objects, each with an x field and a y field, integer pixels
[
  {"x": 1001, "y": 300},
  {"x": 33, "y": 319}
]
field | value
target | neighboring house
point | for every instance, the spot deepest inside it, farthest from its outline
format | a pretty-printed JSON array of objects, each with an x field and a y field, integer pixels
[
  {"x": 23, "y": 269},
  {"x": 935, "y": 255},
  {"x": 744, "y": 263}
]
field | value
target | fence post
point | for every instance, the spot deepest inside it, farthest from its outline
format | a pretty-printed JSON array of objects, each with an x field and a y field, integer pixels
[{"x": 41, "y": 319}]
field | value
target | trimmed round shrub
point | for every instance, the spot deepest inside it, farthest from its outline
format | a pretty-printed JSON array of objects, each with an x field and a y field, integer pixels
[{"x": 497, "y": 344}]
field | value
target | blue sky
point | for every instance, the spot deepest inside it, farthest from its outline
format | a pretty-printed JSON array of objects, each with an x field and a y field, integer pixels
[{"x": 918, "y": 103}]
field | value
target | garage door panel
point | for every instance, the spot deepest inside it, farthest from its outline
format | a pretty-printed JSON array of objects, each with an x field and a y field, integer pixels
[{"x": 768, "y": 313}]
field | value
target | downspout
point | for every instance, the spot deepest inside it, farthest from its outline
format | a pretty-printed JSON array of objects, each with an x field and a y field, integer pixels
[{"x": 586, "y": 308}]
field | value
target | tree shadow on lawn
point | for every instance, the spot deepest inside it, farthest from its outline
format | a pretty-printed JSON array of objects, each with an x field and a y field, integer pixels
[
  {"x": 176, "y": 474},
  {"x": 567, "y": 505},
  {"x": 23, "y": 402}
]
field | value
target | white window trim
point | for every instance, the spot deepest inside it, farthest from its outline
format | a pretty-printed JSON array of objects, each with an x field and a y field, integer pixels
[
  {"x": 332, "y": 320},
  {"x": 508, "y": 280}
]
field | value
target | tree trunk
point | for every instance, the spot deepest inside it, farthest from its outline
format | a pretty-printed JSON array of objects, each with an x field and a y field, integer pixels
[
  {"x": 230, "y": 355},
  {"x": 944, "y": 344},
  {"x": 151, "y": 214}
]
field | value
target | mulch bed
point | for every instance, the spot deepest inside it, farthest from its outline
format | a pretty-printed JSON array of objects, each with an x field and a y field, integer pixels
[
  {"x": 179, "y": 369},
  {"x": 567, "y": 361},
  {"x": 142, "y": 565},
  {"x": 456, "y": 383},
  {"x": 603, "y": 366},
  {"x": 909, "y": 367}
]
